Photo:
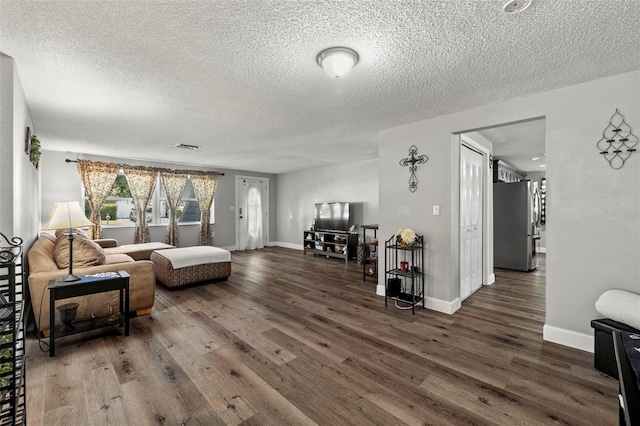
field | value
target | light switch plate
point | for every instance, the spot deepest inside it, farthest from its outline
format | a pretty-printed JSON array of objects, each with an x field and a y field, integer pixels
[{"x": 436, "y": 210}]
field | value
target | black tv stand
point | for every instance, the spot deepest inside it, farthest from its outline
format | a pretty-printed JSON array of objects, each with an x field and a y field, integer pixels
[{"x": 330, "y": 243}]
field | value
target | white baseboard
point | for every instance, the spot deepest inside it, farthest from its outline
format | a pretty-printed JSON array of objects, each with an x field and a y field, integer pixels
[
  {"x": 289, "y": 245},
  {"x": 230, "y": 248},
  {"x": 541, "y": 250},
  {"x": 584, "y": 342},
  {"x": 492, "y": 279},
  {"x": 431, "y": 303},
  {"x": 442, "y": 305}
]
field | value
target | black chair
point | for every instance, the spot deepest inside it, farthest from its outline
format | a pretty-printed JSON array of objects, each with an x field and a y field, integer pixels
[{"x": 629, "y": 392}]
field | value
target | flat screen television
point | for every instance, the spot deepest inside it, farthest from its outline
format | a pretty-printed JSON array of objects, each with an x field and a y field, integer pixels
[{"x": 332, "y": 216}]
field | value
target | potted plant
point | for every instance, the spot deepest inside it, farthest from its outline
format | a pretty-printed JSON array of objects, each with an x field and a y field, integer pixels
[{"x": 34, "y": 151}]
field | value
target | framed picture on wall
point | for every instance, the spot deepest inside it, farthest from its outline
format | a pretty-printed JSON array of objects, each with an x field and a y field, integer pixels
[{"x": 27, "y": 140}]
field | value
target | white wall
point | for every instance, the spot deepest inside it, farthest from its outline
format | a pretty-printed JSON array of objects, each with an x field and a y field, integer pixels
[
  {"x": 61, "y": 181},
  {"x": 298, "y": 192},
  {"x": 19, "y": 179},
  {"x": 593, "y": 226}
]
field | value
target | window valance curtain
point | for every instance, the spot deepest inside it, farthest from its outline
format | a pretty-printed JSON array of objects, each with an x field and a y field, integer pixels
[
  {"x": 204, "y": 186},
  {"x": 97, "y": 178},
  {"x": 142, "y": 182},
  {"x": 173, "y": 184}
]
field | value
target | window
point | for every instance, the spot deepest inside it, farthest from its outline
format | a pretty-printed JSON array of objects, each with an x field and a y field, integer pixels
[
  {"x": 187, "y": 210},
  {"x": 119, "y": 210}
]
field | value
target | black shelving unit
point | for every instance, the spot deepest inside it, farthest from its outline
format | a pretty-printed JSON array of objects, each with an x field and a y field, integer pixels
[
  {"x": 369, "y": 252},
  {"x": 12, "y": 328},
  {"x": 330, "y": 244},
  {"x": 404, "y": 285}
]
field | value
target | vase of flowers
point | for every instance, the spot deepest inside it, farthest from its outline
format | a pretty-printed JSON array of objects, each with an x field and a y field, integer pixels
[{"x": 405, "y": 237}]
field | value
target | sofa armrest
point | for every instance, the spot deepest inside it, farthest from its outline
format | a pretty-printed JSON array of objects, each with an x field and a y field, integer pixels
[{"x": 107, "y": 242}]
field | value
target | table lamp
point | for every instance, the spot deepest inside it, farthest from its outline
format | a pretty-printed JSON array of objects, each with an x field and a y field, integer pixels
[{"x": 67, "y": 214}]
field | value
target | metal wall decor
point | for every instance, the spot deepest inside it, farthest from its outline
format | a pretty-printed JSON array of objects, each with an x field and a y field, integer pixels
[
  {"x": 12, "y": 250},
  {"x": 412, "y": 161},
  {"x": 617, "y": 142}
]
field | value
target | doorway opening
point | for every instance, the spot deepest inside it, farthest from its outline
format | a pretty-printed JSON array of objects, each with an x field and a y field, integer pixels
[{"x": 492, "y": 159}]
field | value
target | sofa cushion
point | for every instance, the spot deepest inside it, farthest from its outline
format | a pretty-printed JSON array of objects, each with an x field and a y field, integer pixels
[
  {"x": 141, "y": 251},
  {"x": 40, "y": 255},
  {"x": 85, "y": 251},
  {"x": 118, "y": 258}
]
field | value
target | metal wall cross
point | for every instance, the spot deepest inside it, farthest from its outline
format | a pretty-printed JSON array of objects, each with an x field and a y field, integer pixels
[{"x": 412, "y": 162}]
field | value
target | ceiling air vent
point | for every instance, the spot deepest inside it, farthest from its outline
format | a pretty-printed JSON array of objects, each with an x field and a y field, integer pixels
[{"x": 186, "y": 146}]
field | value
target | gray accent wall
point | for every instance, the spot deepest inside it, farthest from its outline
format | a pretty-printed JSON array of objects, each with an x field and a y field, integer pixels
[
  {"x": 593, "y": 219},
  {"x": 356, "y": 183}
]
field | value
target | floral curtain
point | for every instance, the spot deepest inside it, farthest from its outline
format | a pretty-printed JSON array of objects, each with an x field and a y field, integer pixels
[
  {"x": 142, "y": 181},
  {"x": 173, "y": 183},
  {"x": 97, "y": 179},
  {"x": 204, "y": 186}
]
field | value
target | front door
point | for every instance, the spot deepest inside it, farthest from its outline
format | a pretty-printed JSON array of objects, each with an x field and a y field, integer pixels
[{"x": 252, "y": 212}]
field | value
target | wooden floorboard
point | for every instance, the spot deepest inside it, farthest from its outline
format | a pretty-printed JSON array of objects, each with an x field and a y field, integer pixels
[{"x": 302, "y": 340}]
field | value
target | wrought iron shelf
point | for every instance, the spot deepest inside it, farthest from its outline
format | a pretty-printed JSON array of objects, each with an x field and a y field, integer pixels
[
  {"x": 12, "y": 333},
  {"x": 404, "y": 273}
]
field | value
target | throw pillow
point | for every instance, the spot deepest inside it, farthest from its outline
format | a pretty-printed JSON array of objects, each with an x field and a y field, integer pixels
[
  {"x": 620, "y": 305},
  {"x": 85, "y": 251}
]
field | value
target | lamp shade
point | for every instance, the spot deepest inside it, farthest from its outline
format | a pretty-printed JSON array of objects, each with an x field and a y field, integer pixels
[
  {"x": 67, "y": 214},
  {"x": 337, "y": 61}
]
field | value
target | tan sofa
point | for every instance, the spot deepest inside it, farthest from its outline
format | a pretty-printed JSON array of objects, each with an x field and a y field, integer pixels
[{"x": 46, "y": 263}]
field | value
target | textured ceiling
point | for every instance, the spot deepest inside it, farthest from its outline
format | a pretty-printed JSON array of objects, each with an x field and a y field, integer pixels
[{"x": 240, "y": 78}]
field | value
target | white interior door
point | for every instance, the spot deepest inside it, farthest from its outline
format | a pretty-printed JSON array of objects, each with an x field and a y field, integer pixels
[
  {"x": 252, "y": 212},
  {"x": 471, "y": 220}
]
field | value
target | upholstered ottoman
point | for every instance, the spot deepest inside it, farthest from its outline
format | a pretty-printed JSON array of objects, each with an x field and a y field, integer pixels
[{"x": 186, "y": 265}]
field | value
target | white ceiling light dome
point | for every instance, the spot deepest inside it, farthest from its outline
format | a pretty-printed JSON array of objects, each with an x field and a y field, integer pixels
[
  {"x": 515, "y": 6},
  {"x": 337, "y": 61}
]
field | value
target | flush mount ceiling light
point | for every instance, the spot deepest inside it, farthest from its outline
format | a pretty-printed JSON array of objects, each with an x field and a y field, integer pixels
[
  {"x": 186, "y": 146},
  {"x": 337, "y": 61},
  {"x": 515, "y": 6}
]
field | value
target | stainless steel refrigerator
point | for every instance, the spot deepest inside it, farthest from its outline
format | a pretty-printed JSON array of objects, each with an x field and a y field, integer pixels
[{"x": 515, "y": 225}]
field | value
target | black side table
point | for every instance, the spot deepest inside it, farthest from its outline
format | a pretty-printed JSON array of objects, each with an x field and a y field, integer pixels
[{"x": 88, "y": 284}]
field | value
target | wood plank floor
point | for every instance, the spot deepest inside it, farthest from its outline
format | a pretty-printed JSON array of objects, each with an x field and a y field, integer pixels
[{"x": 298, "y": 340}]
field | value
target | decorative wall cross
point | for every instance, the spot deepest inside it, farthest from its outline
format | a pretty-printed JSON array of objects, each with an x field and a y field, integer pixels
[
  {"x": 412, "y": 162},
  {"x": 617, "y": 142}
]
